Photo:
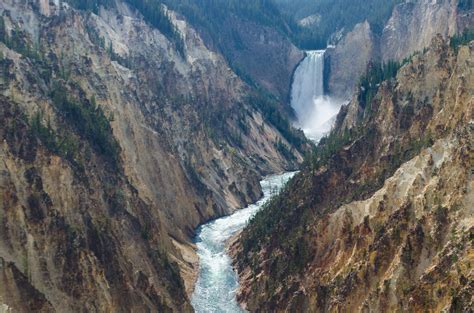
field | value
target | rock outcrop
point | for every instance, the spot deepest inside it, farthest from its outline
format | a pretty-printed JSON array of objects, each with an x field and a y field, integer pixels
[
  {"x": 266, "y": 55},
  {"x": 349, "y": 59},
  {"x": 382, "y": 218},
  {"x": 410, "y": 28},
  {"x": 413, "y": 25}
]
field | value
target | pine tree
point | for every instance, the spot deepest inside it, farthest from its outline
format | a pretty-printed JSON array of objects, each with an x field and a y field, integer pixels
[{"x": 3, "y": 31}]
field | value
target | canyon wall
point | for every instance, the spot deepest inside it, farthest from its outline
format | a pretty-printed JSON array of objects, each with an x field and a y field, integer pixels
[
  {"x": 380, "y": 219},
  {"x": 410, "y": 29},
  {"x": 266, "y": 55},
  {"x": 349, "y": 59}
]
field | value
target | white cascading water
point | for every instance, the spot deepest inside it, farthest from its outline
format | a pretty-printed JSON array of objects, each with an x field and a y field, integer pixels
[
  {"x": 315, "y": 111},
  {"x": 217, "y": 282}
]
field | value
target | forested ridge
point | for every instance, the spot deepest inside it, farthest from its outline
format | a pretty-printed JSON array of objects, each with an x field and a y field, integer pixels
[
  {"x": 212, "y": 17},
  {"x": 152, "y": 10},
  {"x": 325, "y": 17},
  {"x": 329, "y": 17}
]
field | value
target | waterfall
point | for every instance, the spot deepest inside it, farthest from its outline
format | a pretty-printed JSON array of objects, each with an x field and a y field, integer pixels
[
  {"x": 315, "y": 111},
  {"x": 307, "y": 82}
]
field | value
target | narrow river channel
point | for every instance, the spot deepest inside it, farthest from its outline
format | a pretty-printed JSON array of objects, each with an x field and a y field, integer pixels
[{"x": 217, "y": 282}]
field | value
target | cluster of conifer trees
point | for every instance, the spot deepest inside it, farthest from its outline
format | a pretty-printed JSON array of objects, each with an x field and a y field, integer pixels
[
  {"x": 330, "y": 16},
  {"x": 152, "y": 10},
  {"x": 466, "y": 4},
  {"x": 376, "y": 73},
  {"x": 461, "y": 39}
]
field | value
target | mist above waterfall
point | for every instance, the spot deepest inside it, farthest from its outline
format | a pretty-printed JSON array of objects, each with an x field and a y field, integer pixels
[{"x": 315, "y": 111}]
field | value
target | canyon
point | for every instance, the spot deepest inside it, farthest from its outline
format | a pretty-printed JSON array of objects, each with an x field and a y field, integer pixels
[
  {"x": 140, "y": 142},
  {"x": 409, "y": 29},
  {"x": 114, "y": 149},
  {"x": 381, "y": 218}
]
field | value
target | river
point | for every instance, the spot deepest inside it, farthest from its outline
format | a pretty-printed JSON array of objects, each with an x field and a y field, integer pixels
[{"x": 217, "y": 282}]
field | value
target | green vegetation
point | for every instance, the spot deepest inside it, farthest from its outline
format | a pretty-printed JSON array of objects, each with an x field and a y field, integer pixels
[
  {"x": 272, "y": 114},
  {"x": 94, "y": 36},
  {"x": 461, "y": 39},
  {"x": 3, "y": 31},
  {"x": 263, "y": 223},
  {"x": 328, "y": 146},
  {"x": 281, "y": 226},
  {"x": 332, "y": 16},
  {"x": 216, "y": 129},
  {"x": 152, "y": 11},
  {"x": 284, "y": 150},
  {"x": 376, "y": 73},
  {"x": 282, "y": 222},
  {"x": 18, "y": 42},
  {"x": 88, "y": 119},
  {"x": 218, "y": 22},
  {"x": 65, "y": 146},
  {"x": 168, "y": 269},
  {"x": 155, "y": 14},
  {"x": 465, "y": 5},
  {"x": 211, "y": 16},
  {"x": 5, "y": 65},
  {"x": 99, "y": 41},
  {"x": 216, "y": 18},
  {"x": 126, "y": 62},
  {"x": 90, "y": 5}
]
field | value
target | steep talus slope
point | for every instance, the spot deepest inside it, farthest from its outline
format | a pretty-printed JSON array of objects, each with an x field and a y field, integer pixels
[
  {"x": 380, "y": 219},
  {"x": 410, "y": 28},
  {"x": 115, "y": 147},
  {"x": 77, "y": 234}
]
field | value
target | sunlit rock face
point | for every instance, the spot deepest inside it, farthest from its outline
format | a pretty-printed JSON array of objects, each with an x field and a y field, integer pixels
[
  {"x": 348, "y": 60},
  {"x": 410, "y": 28},
  {"x": 413, "y": 25}
]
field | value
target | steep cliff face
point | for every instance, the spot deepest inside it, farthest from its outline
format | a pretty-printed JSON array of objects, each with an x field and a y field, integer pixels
[
  {"x": 410, "y": 28},
  {"x": 252, "y": 35},
  {"x": 381, "y": 218},
  {"x": 413, "y": 24},
  {"x": 115, "y": 147},
  {"x": 349, "y": 59},
  {"x": 266, "y": 55},
  {"x": 75, "y": 234}
]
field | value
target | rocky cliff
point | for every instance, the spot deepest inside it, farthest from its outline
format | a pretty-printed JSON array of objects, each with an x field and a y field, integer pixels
[
  {"x": 414, "y": 23},
  {"x": 115, "y": 146},
  {"x": 410, "y": 28},
  {"x": 253, "y": 36},
  {"x": 348, "y": 59},
  {"x": 380, "y": 219},
  {"x": 267, "y": 56}
]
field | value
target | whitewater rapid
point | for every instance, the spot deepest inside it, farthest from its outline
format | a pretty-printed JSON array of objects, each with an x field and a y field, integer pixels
[
  {"x": 315, "y": 111},
  {"x": 217, "y": 282}
]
